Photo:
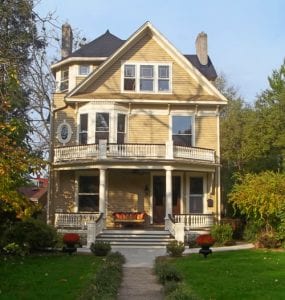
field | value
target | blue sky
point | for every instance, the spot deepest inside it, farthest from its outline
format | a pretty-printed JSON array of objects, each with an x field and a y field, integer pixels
[{"x": 246, "y": 38}]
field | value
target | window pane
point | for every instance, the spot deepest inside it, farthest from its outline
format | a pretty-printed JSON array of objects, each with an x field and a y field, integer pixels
[
  {"x": 102, "y": 122},
  {"x": 88, "y": 184},
  {"x": 130, "y": 71},
  {"x": 88, "y": 203},
  {"x": 163, "y": 71},
  {"x": 181, "y": 125},
  {"x": 163, "y": 85},
  {"x": 129, "y": 84},
  {"x": 120, "y": 138},
  {"x": 84, "y": 122},
  {"x": 121, "y": 123},
  {"x": 64, "y": 74},
  {"x": 84, "y": 69},
  {"x": 146, "y": 85},
  {"x": 146, "y": 72},
  {"x": 196, "y": 204},
  {"x": 182, "y": 140},
  {"x": 196, "y": 185},
  {"x": 83, "y": 138}
]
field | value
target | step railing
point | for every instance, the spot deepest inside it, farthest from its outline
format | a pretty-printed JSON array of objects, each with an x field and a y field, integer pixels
[
  {"x": 195, "y": 221},
  {"x": 75, "y": 220}
]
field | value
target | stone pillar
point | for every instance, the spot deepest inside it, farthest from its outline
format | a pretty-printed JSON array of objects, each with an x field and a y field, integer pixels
[
  {"x": 102, "y": 191},
  {"x": 91, "y": 233}
]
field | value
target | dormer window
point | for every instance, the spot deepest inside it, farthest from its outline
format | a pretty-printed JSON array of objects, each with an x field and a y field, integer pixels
[
  {"x": 146, "y": 77},
  {"x": 84, "y": 70}
]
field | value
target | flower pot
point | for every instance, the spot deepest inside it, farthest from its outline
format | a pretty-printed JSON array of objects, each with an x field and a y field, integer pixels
[{"x": 205, "y": 250}]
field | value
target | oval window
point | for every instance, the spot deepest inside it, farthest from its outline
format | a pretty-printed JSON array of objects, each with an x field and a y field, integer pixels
[{"x": 64, "y": 132}]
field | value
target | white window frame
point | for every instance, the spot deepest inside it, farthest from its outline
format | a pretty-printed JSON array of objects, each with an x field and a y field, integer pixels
[
  {"x": 84, "y": 65},
  {"x": 185, "y": 114},
  {"x": 138, "y": 76},
  {"x": 63, "y": 79}
]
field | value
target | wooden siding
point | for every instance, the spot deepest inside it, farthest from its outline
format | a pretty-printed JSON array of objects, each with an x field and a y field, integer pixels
[
  {"x": 148, "y": 129},
  {"x": 146, "y": 50},
  {"x": 206, "y": 132}
]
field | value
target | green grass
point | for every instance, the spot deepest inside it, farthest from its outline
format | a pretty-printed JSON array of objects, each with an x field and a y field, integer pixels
[
  {"x": 246, "y": 274},
  {"x": 46, "y": 277}
]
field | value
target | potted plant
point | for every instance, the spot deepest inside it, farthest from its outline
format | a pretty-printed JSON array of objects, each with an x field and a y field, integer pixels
[
  {"x": 70, "y": 241},
  {"x": 205, "y": 241}
]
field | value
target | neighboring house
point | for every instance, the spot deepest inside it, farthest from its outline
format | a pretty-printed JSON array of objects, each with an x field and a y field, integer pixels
[{"x": 135, "y": 127}]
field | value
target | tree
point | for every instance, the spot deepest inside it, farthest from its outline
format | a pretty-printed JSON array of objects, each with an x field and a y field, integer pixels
[
  {"x": 18, "y": 36},
  {"x": 260, "y": 196}
]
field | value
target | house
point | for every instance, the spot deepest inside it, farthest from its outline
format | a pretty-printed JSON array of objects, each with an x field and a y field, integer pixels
[{"x": 135, "y": 128}]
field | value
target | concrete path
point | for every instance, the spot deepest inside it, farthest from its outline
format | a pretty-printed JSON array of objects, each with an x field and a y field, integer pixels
[{"x": 139, "y": 284}]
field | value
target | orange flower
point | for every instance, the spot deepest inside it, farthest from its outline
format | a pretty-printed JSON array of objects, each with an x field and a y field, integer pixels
[{"x": 205, "y": 239}]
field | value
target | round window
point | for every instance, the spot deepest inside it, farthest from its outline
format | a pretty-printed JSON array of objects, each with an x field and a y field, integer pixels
[{"x": 64, "y": 132}]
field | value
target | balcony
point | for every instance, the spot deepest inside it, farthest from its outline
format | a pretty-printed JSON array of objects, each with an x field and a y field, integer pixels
[{"x": 132, "y": 151}]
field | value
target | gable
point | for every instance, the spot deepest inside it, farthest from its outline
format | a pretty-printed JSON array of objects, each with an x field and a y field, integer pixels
[{"x": 187, "y": 82}]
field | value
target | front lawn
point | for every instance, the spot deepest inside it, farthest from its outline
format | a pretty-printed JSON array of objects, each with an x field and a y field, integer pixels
[
  {"x": 46, "y": 277},
  {"x": 246, "y": 274}
]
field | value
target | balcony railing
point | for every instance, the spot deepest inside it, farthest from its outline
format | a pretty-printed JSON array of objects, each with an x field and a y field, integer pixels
[
  {"x": 74, "y": 220},
  {"x": 195, "y": 221},
  {"x": 132, "y": 151}
]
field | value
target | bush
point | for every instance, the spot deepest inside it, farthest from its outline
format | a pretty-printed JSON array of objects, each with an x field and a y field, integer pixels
[
  {"x": 14, "y": 249},
  {"x": 175, "y": 248},
  {"x": 181, "y": 293},
  {"x": 31, "y": 234},
  {"x": 223, "y": 234},
  {"x": 267, "y": 240},
  {"x": 100, "y": 248},
  {"x": 252, "y": 230},
  {"x": 167, "y": 272}
]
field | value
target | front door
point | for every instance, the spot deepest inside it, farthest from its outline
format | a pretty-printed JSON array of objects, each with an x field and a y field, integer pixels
[{"x": 159, "y": 191}]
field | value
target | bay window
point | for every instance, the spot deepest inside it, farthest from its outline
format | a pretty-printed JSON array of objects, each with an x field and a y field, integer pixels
[{"x": 102, "y": 127}]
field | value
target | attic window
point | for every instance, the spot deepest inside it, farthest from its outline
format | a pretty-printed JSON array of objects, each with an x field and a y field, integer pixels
[
  {"x": 64, "y": 79},
  {"x": 130, "y": 78},
  {"x": 84, "y": 70}
]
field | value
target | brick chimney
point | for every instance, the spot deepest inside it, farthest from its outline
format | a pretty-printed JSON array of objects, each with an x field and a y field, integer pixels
[
  {"x": 202, "y": 48},
  {"x": 66, "y": 40}
]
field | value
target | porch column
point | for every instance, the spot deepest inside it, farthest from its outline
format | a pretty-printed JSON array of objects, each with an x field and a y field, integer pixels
[
  {"x": 168, "y": 200},
  {"x": 102, "y": 191}
]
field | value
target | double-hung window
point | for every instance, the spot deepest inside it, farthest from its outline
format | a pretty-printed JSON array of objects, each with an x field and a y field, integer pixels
[
  {"x": 88, "y": 193},
  {"x": 102, "y": 127},
  {"x": 147, "y": 77},
  {"x": 64, "y": 78},
  {"x": 182, "y": 130},
  {"x": 83, "y": 129},
  {"x": 84, "y": 70}
]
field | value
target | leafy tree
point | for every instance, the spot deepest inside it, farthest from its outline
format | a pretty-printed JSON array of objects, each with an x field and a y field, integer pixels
[{"x": 260, "y": 197}]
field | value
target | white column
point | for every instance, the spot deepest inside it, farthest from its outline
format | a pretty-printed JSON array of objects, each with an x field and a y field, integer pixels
[
  {"x": 102, "y": 191},
  {"x": 168, "y": 200}
]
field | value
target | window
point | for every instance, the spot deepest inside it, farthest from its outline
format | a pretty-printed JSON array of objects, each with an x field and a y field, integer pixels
[
  {"x": 88, "y": 193},
  {"x": 121, "y": 128},
  {"x": 83, "y": 129},
  {"x": 182, "y": 130},
  {"x": 84, "y": 70},
  {"x": 146, "y": 78},
  {"x": 163, "y": 78},
  {"x": 154, "y": 77},
  {"x": 102, "y": 127},
  {"x": 129, "y": 77},
  {"x": 64, "y": 79},
  {"x": 196, "y": 195}
]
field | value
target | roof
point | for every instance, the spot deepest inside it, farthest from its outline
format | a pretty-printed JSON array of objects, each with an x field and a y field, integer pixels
[
  {"x": 207, "y": 70},
  {"x": 32, "y": 192},
  {"x": 104, "y": 46}
]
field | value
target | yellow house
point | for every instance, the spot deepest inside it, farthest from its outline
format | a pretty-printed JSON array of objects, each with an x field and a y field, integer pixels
[{"x": 135, "y": 128}]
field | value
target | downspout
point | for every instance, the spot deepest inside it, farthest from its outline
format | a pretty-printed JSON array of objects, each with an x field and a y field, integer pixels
[
  {"x": 51, "y": 157},
  {"x": 219, "y": 166}
]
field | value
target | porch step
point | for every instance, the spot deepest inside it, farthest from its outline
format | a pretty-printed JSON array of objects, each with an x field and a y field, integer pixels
[{"x": 139, "y": 238}]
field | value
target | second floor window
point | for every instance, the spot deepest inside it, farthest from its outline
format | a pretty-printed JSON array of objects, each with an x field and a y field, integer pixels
[
  {"x": 64, "y": 79},
  {"x": 182, "y": 130},
  {"x": 83, "y": 129},
  {"x": 102, "y": 127},
  {"x": 142, "y": 78},
  {"x": 121, "y": 128},
  {"x": 84, "y": 70}
]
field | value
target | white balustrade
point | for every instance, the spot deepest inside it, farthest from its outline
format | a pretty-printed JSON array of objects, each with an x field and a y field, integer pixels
[
  {"x": 74, "y": 220},
  {"x": 194, "y": 153},
  {"x": 195, "y": 221}
]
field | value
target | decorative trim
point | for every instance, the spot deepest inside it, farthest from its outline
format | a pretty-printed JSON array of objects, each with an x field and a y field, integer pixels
[{"x": 64, "y": 132}]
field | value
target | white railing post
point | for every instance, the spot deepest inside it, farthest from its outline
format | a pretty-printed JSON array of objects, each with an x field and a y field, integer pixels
[
  {"x": 169, "y": 149},
  {"x": 91, "y": 233},
  {"x": 102, "y": 149},
  {"x": 179, "y": 232}
]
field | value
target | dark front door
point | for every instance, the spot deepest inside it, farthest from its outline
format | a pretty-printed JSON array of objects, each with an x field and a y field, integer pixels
[
  {"x": 159, "y": 191},
  {"x": 158, "y": 199}
]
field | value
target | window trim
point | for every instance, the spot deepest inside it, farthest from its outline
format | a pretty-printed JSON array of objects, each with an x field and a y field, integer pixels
[
  {"x": 84, "y": 65},
  {"x": 138, "y": 77},
  {"x": 64, "y": 80}
]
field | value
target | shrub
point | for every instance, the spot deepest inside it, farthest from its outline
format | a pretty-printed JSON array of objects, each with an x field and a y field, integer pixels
[
  {"x": 33, "y": 234},
  {"x": 100, "y": 248},
  {"x": 181, "y": 293},
  {"x": 15, "y": 249},
  {"x": 167, "y": 272},
  {"x": 175, "y": 248},
  {"x": 267, "y": 240},
  {"x": 252, "y": 230},
  {"x": 223, "y": 234}
]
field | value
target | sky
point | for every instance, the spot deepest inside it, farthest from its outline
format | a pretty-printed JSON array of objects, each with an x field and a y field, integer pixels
[{"x": 246, "y": 38}]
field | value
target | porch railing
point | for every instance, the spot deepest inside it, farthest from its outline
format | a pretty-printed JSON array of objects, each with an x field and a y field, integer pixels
[
  {"x": 132, "y": 151},
  {"x": 75, "y": 220},
  {"x": 195, "y": 221}
]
